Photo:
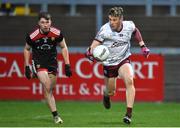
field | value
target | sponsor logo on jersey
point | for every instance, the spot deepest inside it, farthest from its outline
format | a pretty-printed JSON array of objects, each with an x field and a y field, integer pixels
[
  {"x": 117, "y": 44},
  {"x": 45, "y": 39}
]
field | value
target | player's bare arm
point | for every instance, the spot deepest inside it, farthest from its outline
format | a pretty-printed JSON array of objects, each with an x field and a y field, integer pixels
[
  {"x": 138, "y": 38},
  {"x": 94, "y": 44},
  {"x": 27, "y": 53},
  {"x": 65, "y": 52},
  {"x": 26, "y": 61},
  {"x": 65, "y": 55}
]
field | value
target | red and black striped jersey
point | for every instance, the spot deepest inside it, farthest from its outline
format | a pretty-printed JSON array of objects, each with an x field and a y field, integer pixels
[{"x": 44, "y": 45}]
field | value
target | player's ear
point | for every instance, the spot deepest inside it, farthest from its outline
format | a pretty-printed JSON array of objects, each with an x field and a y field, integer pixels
[
  {"x": 50, "y": 21},
  {"x": 38, "y": 23}
]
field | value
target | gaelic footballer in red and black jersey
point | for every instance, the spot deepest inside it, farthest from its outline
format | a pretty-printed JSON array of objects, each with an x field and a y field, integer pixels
[{"x": 43, "y": 42}]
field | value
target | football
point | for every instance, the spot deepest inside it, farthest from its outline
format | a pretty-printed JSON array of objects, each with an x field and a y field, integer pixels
[{"x": 101, "y": 53}]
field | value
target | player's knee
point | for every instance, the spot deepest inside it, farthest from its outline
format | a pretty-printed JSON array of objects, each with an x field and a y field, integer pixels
[
  {"x": 48, "y": 91},
  {"x": 129, "y": 81},
  {"x": 47, "y": 88}
]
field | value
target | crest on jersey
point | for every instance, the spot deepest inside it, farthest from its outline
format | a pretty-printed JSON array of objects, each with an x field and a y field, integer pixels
[
  {"x": 52, "y": 38},
  {"x": 121, "y": 35}
]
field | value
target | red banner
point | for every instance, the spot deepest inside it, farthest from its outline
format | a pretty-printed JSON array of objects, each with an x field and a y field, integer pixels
[{"x": 86, "y": 83}]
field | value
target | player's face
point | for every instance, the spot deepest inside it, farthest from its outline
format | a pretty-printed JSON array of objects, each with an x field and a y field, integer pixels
[
  {"x": 44, "y": 25},
  {"x": 115, "y": 23}
]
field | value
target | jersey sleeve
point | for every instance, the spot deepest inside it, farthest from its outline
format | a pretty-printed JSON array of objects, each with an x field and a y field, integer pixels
[
  {"x": 100, "y": 35},
  {"x": 28, "y": 40},
  {"x": 133, "y": 27},
  {"x": 60, "y": 37}
]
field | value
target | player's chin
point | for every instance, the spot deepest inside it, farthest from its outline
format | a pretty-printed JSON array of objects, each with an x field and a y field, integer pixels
[
  {"x": 113, "y": 28},
  {"x": 46, "y": 30}
]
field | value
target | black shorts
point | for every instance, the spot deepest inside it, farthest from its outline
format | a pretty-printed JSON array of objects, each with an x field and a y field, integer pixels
[
  {"x": 49, "y": 67},
  {"x": 112, "y": 71}
]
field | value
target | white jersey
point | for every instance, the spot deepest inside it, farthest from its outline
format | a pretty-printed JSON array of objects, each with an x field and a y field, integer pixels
[{"x": 118, "y": 43}]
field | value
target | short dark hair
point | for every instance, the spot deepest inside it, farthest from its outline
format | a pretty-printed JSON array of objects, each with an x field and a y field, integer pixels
[
  {"x": 45, "y": 15},
  {"x": 116, "y": 12}
]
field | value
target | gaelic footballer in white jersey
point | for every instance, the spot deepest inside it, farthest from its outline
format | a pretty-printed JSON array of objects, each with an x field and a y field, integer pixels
[
  {"x": 118, "y": 43},
  {"x": 116, "y": 35}
]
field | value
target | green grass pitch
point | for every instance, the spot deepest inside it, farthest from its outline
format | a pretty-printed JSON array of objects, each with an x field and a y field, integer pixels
[{"x": 87, "y": 114}]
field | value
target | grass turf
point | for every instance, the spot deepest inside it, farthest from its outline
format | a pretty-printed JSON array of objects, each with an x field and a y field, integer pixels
[{"x": 87, "y": 114}]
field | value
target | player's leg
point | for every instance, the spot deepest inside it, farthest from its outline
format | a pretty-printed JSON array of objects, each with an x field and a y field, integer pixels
[
  {"x": 109, "y": 91},
  {"x": 48, "y": 90},
  {"x": 127, "y": 74},
  {"x": 110, "y": 74},
  {"x": 46, "y": 82},
  {"x": 55, "y": 114}
]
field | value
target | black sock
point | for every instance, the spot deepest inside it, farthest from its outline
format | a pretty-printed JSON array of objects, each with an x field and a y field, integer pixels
[
  {"x": 55, "y": 113},
  {"x": 129, "y": 112}
]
